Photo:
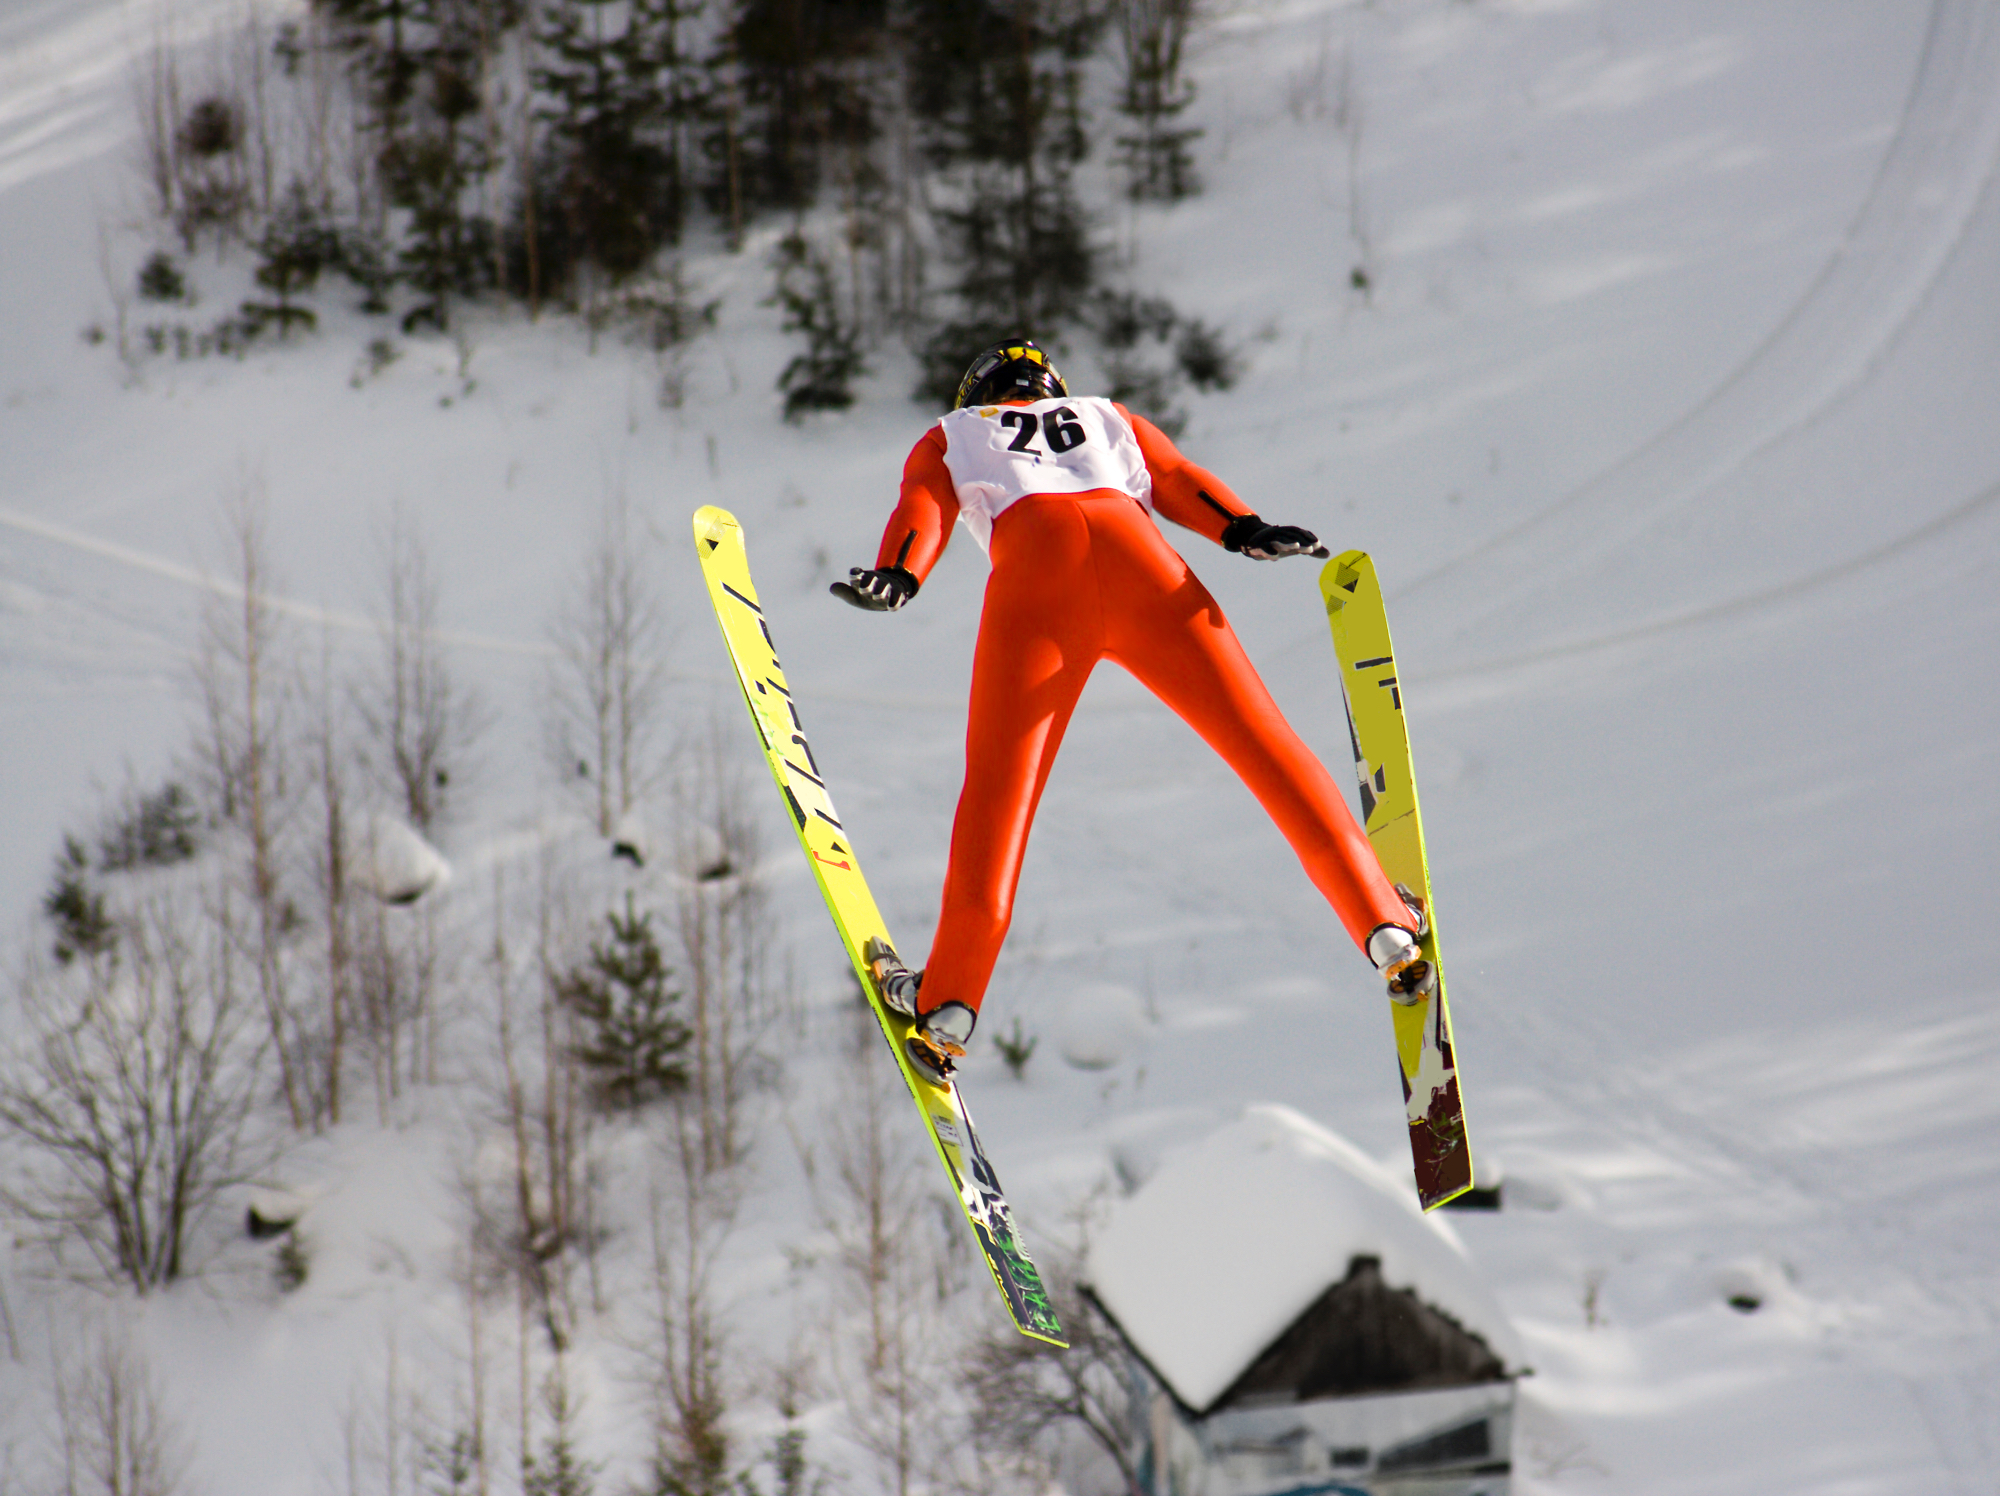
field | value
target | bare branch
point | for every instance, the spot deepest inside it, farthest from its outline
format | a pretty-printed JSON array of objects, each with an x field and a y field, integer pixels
[
  {"x": 420, "y": 725},
  {"x": 112, "y": 1436},
  {"x": 607, "y": 689},
  {"x": 129, "y": 1087}
]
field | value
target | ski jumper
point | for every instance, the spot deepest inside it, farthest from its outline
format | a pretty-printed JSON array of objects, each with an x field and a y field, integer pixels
[{"x": 1058, "y": 492}]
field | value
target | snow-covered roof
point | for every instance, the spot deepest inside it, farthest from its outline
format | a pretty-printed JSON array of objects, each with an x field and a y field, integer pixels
[{"x": 1229, "y": 1243}]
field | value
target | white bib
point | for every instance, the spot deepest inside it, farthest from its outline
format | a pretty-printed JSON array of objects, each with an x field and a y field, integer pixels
[{"x": 998, "y": 454}]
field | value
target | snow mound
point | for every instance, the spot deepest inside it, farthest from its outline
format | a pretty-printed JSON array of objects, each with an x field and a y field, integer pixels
[
  {"x": 632, "y": 839},
  {"x": 1229, "y": 1243},
  {"x": 1101, "y": 1024},
  {"x": 400, "y": 866}
]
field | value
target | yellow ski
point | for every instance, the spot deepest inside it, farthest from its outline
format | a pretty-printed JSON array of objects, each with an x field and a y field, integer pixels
[
  {"x": 1438, "y": 1146},
  {"x": 726, "y": 566}
]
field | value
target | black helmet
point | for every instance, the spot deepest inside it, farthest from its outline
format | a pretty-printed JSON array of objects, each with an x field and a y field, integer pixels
[{"x": 1013, "y": 370}]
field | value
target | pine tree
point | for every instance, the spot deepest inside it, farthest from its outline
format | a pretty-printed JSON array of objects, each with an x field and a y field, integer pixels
[
  {"x": 155, "y": 830},
  {"x": 801, "y": 76},
  {"x": 1153, "y": 34},
  {"x": 83, "y": 925},
  {"x": 1128, "y": 325},
  {"x": 420, "y": 69},
  {"x": 822, "y": 377},
  {"x": 209, "y": 154},
  {"x": 432, "y": 165},
  {"x": 996, "y": 87},
  {"x": 634, "y": 1034},
  {"x": 618, "y": 93},
  {"x": 296, "y": 245},
  {"x": 559, "y": 1470},
  {"x": 379, "y": 38}
]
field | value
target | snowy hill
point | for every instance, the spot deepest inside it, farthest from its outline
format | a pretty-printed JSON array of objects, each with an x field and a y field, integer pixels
[{"x": 1666, "y": 412}]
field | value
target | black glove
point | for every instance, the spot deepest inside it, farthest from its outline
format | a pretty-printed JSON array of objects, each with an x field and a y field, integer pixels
[
  {"x": 882, "y": 591},
  {"x": 1262, "y": 541}
]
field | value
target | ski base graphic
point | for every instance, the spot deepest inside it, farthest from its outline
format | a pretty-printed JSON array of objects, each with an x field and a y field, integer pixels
[{"x": 1438, "y": 1146}]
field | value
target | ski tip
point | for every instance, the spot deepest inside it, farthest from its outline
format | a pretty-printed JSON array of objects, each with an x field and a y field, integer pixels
[
  {"x": 713, "y": 524},
  {"x": 1341, "y": 577}
]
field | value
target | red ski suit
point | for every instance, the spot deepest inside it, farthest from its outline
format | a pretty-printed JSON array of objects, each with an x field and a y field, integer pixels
[{"x": 1080, "y": 577}]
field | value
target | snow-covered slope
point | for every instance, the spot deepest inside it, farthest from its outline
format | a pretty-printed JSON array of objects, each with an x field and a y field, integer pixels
[{"x": 1668, "y": 417}]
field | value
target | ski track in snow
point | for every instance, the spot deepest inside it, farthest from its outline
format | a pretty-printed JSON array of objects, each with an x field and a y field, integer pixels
[
  {"x": 65, "y": 73},
  {"x": 1732, "y": 607},
  {"x": 1933, "y": 180},
  {"x": 188, "y": 576}
]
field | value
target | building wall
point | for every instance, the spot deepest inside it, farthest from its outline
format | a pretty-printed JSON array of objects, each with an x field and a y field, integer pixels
[{"x": 1453, "y": 1441}]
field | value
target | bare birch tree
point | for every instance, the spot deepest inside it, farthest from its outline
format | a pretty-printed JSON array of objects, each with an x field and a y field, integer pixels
[
  {"x": 334, "y": 869},
  {"x": 421, "y": 726},
  {"x": 727, "y": 935},
  {"x": 242, "y": 677},
  {"x": 129, "y": 1086},
  {"x": 694, "y": 1211},
  {"x": 607, "y": 687},
  {"x": 398, "y": 978},
  {"x": 1029, "y": 1395},
  {"x": 872, "y": 1200},
  {"x": 549, "y": 1202},
  {"x": 114, "y": 1437}
]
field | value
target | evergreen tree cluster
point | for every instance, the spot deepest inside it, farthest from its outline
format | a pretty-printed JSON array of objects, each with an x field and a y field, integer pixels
[
  {"x": 144, "y": 830},
  {"x": 561, "y": 153},
  {"x": 633, "y": 1035}
]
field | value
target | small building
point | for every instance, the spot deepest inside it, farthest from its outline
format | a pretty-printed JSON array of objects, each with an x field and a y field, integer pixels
[{"x": 1298, "y": 1327}]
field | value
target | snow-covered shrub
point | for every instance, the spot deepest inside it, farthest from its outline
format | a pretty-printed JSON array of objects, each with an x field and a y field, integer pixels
[
  {"x": 292, "y": 1264},
  {"x": 141, "y": 831}
]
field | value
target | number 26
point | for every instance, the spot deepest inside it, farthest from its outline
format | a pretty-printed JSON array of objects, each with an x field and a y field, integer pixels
[{"x": 1063, "y": 431}]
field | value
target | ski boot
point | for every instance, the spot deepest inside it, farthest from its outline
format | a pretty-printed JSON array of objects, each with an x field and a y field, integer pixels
[
  {"x": 938, "y": 1042},
  {"x": 895, "y": 981},
  {"x": 1396, "y": 954}
]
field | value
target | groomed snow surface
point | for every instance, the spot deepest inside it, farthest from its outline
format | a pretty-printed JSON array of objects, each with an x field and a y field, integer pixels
[{"x": 1668, "y": 417}]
